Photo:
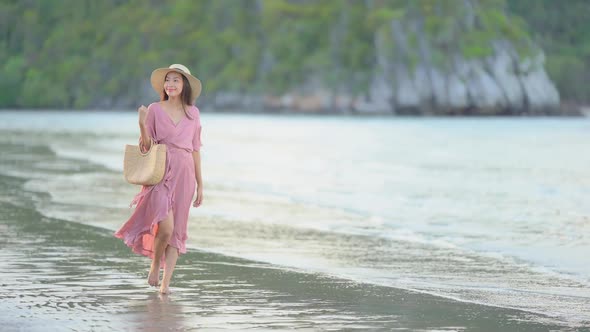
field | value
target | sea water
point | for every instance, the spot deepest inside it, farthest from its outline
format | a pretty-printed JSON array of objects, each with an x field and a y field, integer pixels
[{"x": 485, "y": 210}]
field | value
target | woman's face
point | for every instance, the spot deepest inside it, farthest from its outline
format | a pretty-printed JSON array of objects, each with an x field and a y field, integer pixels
[{"x": 173, "y": 84}]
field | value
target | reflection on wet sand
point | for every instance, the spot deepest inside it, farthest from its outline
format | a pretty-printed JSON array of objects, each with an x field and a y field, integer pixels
[{"x": 162, "y": 314}]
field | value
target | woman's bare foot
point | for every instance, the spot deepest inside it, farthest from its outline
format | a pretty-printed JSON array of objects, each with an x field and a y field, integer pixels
[
  {"x": 165, "y": 290},
  {"x": 154, "y": 275}
]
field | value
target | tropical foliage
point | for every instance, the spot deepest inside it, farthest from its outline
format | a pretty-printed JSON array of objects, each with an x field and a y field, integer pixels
[{"x": 97, "y": 53}]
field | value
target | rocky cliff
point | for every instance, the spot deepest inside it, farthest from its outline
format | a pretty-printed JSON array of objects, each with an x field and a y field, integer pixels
[
  {"x": 456, "y": 58},
  {"x": 343, "y": 56}
]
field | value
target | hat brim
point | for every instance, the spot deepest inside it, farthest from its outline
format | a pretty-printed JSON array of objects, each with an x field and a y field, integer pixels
[{"x": 159, "y": 75}]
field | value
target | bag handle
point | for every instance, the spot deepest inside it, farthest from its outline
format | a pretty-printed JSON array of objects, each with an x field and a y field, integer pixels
[{"x": 150, "y": 149}]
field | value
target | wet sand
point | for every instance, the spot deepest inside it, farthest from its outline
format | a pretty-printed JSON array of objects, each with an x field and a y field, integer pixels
[{"x": 63, "y": 276}]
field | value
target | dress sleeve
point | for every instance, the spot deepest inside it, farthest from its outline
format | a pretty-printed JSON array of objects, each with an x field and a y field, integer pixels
[
  {"x": 150, "y": 125},
  {"x": 197, "y": 136}
]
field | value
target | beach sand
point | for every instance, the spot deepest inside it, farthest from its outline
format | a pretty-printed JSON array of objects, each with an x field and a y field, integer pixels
[{"x": 63, "y": 276}]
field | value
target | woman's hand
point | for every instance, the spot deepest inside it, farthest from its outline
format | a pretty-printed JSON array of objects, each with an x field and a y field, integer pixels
[
  {"x": 143, "y": 111},
  {"x": 199, "y": 198}
]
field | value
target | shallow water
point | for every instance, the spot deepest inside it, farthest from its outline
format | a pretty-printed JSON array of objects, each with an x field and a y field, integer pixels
[
  {"x": 484, "y": 211},
  {"x": 64, "y": 276}
]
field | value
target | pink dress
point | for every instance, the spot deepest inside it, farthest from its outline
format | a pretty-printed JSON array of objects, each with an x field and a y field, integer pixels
[{"x": 176, "y": 190}]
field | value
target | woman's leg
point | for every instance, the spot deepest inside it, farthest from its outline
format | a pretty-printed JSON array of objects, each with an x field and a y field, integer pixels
[
  {"x": 164, "y": 233},
  {"x": 171, "y": 257}
]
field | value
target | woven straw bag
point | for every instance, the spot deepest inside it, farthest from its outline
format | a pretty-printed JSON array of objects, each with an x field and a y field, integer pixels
[{"x": 144, "y": 168}]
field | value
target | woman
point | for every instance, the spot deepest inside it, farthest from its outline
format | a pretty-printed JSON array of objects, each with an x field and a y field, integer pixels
[{"x": 158, "y": 226}]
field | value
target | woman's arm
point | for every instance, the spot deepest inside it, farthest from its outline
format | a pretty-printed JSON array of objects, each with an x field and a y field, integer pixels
[
  {"x": 146, "y": 141},
  {"x": 197, "y": 161}
]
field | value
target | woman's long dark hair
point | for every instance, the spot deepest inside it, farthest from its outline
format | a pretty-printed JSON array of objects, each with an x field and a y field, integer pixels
[{"x": 185, "y": 95}]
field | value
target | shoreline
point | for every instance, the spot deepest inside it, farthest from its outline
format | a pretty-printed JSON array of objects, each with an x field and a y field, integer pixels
[
  {"x": 569, "y": 112},
  {"x": 99, "y": 272}
]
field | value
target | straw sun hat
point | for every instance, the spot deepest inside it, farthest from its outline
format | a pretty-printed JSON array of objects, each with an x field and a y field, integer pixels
[{"x": 159, "y": 75}]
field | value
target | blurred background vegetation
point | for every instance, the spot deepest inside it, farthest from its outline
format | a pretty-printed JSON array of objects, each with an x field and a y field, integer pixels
[
  {"x": 562, "y": 30},
  {"x": 98, "y": 54}
]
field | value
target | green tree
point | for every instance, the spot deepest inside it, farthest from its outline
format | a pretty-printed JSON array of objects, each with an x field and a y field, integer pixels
[{"x": 562, "y": 30}]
